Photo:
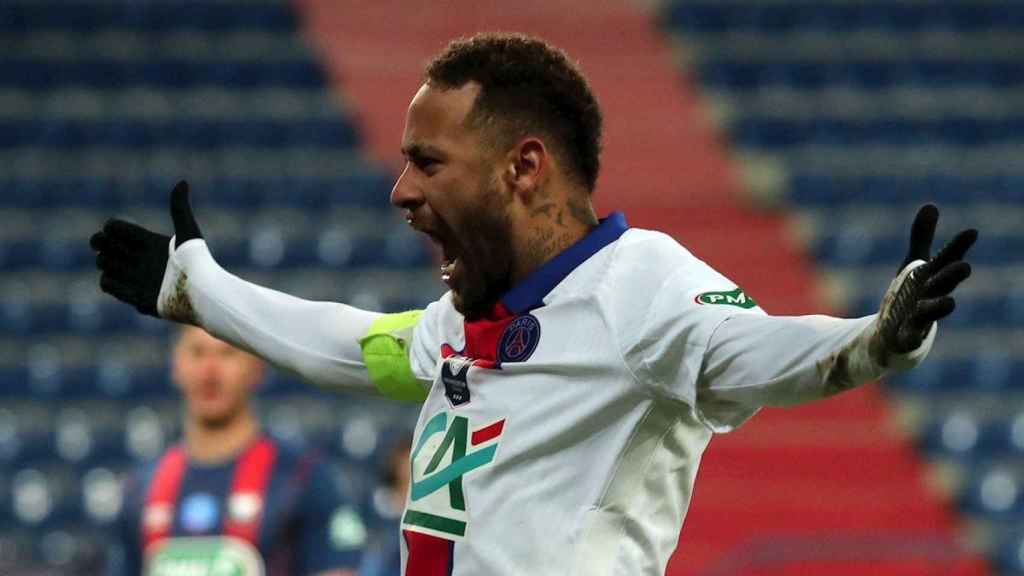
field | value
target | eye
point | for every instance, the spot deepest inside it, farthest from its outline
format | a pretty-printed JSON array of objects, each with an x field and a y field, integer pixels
[{"x": 426, "y": 165}]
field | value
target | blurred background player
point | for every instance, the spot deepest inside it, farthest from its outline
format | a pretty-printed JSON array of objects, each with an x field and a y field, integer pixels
[
  {"x": 229, "y": 494},
  {"x": 383, "y": 555}
]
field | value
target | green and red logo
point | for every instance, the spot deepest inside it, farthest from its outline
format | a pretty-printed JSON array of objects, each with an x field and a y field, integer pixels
[
  {"x": 447, "y": 449},
  {"x": 207, "y": 556},
  {"x": 731, "y": 298}
]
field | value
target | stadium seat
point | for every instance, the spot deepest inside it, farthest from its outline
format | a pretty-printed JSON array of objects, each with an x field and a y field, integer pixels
[{"x": 995, "y": 492}]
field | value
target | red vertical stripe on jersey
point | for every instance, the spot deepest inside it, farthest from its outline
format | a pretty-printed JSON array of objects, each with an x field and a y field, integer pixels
[
  {"x": 162, "y": 496},
  {"x": 252, "y": 474},
  {"x": 428, "y": 555},
  {"x": 488, "y": 432}
]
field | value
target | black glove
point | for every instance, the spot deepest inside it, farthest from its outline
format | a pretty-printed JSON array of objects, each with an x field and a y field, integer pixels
[
  {"x": 133, "y": 259},
  {"x": 924, "y": 296}
]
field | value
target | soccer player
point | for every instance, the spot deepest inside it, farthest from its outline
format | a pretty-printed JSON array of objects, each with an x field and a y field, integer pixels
[
  {"x": 576, "y": 370},
  {"x": 230, "y": 499}
]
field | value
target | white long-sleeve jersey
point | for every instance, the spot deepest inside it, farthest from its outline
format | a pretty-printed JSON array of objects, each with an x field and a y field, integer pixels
[{"x": 562, "y": 433}]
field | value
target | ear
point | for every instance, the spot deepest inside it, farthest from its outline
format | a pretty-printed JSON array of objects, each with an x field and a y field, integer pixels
[
  {"x": 527, "y": 167},
  {"x": 175, "y": 367},
  {"x": 258, "y": 373}
]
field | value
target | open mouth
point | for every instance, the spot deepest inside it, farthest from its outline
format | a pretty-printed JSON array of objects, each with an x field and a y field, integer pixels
[
  {"x": 449, "y": 263},
  {"x": 449, "y": 256}
]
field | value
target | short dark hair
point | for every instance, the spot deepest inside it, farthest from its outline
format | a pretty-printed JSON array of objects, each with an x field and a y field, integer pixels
[{"x": 527, "y": 85}]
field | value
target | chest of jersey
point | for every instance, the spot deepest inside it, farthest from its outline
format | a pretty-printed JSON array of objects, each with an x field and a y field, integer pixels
[
  {"x": 517, "y": 409},
  {"x": 201, "y": 517}
]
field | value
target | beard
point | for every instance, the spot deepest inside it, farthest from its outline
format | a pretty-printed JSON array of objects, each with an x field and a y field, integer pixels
[
  {"x": 486, "y": 256},
  {"x": 218, "y": 420}
]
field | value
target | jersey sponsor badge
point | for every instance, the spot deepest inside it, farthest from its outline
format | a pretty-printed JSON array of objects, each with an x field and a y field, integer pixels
[
  {"x": 210, "y": 556},
  {"x": 454, "y": 372},
  {"x": 519, "y": 339},
  {"x": 730, "y": 298},
  {"x": 157, "y": 517},
  {"x": 346, "y": 529},
  {"x": 244, "y": 507},
  {"x": 199, "y": 512},
  {"x": 447, "y": 449}
]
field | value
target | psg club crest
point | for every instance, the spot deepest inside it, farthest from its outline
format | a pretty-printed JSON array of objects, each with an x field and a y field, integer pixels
[{"x": 519, "y": 339}]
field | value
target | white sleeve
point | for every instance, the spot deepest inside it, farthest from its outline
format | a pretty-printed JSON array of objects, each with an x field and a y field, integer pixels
[
  {"x": 319, "y": 341},
  {"x": 753, "y": 361},
  {"x": 706, "y": 343}
]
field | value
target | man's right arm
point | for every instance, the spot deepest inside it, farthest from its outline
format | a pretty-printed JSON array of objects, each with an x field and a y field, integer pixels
[{"x": 330, "y": 344}]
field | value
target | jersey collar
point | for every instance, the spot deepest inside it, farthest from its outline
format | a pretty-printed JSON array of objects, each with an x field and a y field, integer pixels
[{"x": 530, "y": 292}]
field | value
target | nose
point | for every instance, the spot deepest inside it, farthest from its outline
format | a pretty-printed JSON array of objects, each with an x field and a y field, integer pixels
[
  {"x": 406, "y": 194},
  {"x": 209, "y": 368}
]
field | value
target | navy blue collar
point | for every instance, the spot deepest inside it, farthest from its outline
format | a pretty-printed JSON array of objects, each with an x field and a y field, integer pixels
[{"x": 530, "y": 292}]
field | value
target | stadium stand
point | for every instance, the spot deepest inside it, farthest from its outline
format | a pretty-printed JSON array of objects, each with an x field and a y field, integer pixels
[
  {"x": 103, "y": 106},
  {"x": 854, "y": 113},
  {"x": 847, "y": 112}
]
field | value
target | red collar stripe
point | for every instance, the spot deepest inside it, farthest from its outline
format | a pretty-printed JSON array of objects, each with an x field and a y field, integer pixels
[
  {"x": 162, "y": 496},
  {"x": 248, "y": 491}
]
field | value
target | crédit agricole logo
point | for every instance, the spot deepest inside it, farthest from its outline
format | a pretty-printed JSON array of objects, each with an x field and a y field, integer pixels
[{"x": 447, "y": 450}]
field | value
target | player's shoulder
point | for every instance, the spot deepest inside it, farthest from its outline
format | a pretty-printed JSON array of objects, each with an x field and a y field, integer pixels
[
  {"x": 440, "y": 318},
  {"x": 292, "y": 454},
  {"x": 647, "y": 259}
]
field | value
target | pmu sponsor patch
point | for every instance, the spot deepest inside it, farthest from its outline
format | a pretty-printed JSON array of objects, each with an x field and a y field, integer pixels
[{"x": 731, "y": 298}]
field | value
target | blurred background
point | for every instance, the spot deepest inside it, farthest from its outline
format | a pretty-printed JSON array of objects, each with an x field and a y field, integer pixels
[{"x": 787, "y": 142}]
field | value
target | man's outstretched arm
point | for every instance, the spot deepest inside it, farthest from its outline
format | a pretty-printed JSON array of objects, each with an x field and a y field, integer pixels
[
  {"x": 753, "y": 360},
  {"x": 330, "y": 344}
]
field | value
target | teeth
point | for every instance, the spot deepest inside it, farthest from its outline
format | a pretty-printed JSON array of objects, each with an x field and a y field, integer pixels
[{"x": 447, "y": 269}]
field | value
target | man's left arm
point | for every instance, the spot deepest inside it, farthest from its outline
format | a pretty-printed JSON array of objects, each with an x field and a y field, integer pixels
[{"x": 755, "y": 360}]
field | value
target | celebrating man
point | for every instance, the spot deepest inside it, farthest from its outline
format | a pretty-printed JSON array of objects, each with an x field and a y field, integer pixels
[{"x": 576, "y": 369}]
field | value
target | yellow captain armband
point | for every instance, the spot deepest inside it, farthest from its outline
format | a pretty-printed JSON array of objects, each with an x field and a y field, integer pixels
[{"x": 386, "y": 354}]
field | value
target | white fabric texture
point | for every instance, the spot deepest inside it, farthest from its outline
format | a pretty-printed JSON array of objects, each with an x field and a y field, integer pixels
[{"x": 316, "y": 340}]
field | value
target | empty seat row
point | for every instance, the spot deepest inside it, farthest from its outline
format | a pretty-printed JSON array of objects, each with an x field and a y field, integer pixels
[
  {"x": 962, "y": 434},
  {"x": 194, "y": 134},
  {"x": 266, "y": 248},
  {"x": 63, "y": 549},
  {"x": 819, "y": 188},
  {"x": 854, "y": 247},
  {"x": 874, "y": 74},
  {"x": 710, "y": 16},
  {"x": 41, "y": 75},
  {"x": 360, "y": 186},
  {"x": 996, "y": 492},
  {"x": 146, "y": 16},
  {"x": 973, "y": 311},
  {"x": 55, "y": 380},
  {"x": 960, "y": 131},
  {"x": 991, "y": 372},
  {"x": 111, "y": 438}
]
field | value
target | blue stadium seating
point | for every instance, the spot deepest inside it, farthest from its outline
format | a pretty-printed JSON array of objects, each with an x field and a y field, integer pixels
[
  {"x": 145, "y": 17},
  {"x": 811, "y": 188},
  {"x": 950, "y": 149},
  {"x": 709, "y": 16},
  {"x": 76, "y": 160},
  {"x": 73, "y": 135}
]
